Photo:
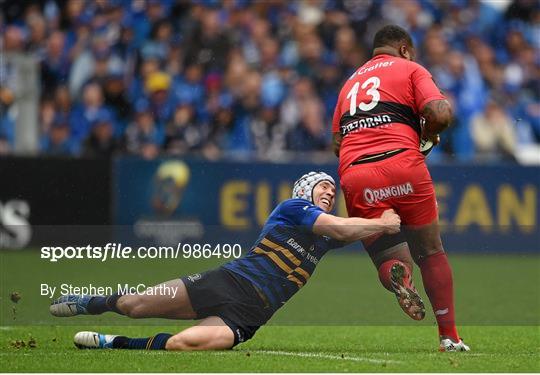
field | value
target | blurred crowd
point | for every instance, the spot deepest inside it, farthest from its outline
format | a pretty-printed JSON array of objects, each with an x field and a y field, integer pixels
[{"x": 260, "y": 78}]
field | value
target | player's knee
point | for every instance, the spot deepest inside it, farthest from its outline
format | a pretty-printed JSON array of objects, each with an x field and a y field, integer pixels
[
  {"x": 426, "y": 253},
  {"x": 174, "y": 343},
  {"x": 131, "y": 305},
  {"x": 192, "y": 340},
  {"x": 184, "y": 341}
]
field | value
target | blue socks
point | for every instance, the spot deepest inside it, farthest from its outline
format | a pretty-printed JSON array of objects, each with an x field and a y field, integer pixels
[
  {"x": 156, "y": 342},
  {"x": 100, "y": 304}
]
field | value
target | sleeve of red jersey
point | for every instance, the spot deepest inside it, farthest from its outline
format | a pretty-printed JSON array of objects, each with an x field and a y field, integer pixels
[{"x": 424, "y": 88}]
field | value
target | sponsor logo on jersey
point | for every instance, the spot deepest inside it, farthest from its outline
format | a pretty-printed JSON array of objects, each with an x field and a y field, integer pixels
[
  {"x": 296, "y": 246},
  {"x": 384, "y": 193},
  {"x": 365, "y": 69},
  {"x": 363, "y": 123}
]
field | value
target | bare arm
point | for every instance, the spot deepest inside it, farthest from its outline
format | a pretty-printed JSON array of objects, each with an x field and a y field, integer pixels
[
  {"x": 438, "y": 115},
  {"x": 354, "y": 228},
  {"x": 336, "y": 143}
]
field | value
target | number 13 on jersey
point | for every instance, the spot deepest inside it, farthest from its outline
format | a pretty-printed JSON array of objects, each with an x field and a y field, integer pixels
[{"x": 371, "y": 84}]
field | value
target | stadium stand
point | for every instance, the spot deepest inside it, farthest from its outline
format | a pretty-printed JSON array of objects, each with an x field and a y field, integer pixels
[{"x": 260, "y": 78}]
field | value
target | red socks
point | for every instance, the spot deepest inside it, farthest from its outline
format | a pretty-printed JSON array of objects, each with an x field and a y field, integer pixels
[
  {"x": 438, "y": 284},
  {"x": 384, "y": 272}
]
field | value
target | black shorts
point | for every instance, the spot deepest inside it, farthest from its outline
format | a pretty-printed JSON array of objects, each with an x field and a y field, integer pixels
[{"x": 231, "y": 297}]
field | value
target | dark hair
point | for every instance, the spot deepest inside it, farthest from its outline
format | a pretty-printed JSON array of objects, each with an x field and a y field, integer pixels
[{"x": 390, "y": 35}]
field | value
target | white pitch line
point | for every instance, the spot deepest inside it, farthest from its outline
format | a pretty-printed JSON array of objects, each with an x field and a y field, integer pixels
[
  {"x": 267, "y": 352},
  {"x": 323, "y": 356}
]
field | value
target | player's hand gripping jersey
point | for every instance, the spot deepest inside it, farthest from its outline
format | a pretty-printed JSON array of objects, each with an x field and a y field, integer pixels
[
  {"x": 286, "y": 253},
  {"x": 379, "y": 107}
]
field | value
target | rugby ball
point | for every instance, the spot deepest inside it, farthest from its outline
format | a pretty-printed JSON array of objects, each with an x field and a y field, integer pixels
[{"x": 426, "y": 146}]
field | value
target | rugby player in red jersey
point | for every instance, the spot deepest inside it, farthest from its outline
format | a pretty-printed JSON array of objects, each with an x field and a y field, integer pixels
[{"x": 383, "y": 111}]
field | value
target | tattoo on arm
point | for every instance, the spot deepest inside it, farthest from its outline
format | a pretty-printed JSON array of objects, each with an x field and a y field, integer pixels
[{"x": 438, "y": 115}]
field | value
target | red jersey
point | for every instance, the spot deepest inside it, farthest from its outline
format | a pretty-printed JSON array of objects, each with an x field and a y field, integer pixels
[{"x": 379, "y": 106}]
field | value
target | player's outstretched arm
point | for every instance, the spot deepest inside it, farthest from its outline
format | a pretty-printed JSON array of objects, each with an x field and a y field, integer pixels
[
  {"x": 355, "y": 228},
  {"x": 438, "y": 115}
]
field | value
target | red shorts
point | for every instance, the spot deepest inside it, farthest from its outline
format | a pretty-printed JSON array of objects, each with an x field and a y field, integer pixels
[{"x": 401, "y": 182}]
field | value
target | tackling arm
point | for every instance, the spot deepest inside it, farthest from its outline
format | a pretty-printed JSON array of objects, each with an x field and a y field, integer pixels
[{"x": 354, "y": 228}]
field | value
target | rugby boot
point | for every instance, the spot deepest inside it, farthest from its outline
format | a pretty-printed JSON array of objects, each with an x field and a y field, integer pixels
[
  {"x": 70, "y": 305},
  {"x": 93, "y": 340},
  {"x": 407, "y": 295},
  {"x": 447, "y": 345}
]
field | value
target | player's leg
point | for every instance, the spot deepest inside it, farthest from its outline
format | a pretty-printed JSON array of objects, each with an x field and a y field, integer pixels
[
  {"x": 387, "y": 250},
  {"x": 210, "y": 334},
  {"x": 419, "y": 215},
  {"x": 391, "y": 257},
  {"x": 389, "y": 253},
  {"x": 174, "y": 304},
  {"x": 166, "y": 300},
  {"x": 428, "y": 253}
]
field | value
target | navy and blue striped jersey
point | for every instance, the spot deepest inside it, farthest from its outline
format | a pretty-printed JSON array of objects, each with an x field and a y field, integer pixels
[{"x": 286, "y": 253}]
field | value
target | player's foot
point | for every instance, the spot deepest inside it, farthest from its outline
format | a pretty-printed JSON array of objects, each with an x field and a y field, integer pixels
[
  {"x": 447, "y": 345},
  {"x": 70, "y": 305},
  {"x": 407, "y": 295},
  {"x": 93, "y": 340}
]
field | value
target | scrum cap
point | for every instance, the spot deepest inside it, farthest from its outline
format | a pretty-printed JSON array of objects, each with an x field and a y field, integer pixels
[{"x": 303, "y": 187}]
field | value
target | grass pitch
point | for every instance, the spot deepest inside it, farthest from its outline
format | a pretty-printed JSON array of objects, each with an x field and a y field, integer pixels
[
  {"x": 342, "y": 321},
  {"x": 286, "y": 349}
]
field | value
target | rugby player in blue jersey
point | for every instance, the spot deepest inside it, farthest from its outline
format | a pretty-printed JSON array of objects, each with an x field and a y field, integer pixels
[{"x": 236, "y": 299}]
